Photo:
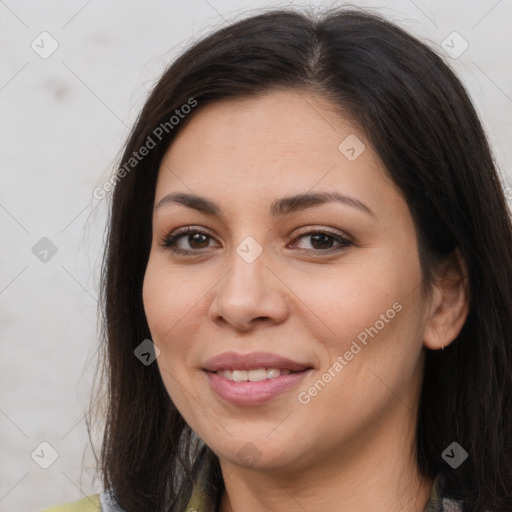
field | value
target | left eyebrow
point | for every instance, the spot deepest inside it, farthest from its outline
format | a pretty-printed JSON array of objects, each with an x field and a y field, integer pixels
[
  {"x": 302, "y": 201},
  {"x": 278, "y": 207}
]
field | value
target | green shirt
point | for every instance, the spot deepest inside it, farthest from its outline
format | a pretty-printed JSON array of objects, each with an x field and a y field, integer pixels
[{"x": 87, "y": 504}]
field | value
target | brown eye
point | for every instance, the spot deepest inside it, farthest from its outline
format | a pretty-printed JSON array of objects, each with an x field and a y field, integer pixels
[
  {"x": 187, "y": 241},
  {"x": 324, "y": 241},
  {"x": 197, "y": 241}
]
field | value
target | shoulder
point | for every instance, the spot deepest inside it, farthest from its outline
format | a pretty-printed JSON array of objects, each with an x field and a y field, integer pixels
[{"x": 87, "y": 504}]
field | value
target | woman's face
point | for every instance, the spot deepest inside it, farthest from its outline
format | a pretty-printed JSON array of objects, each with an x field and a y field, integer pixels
[{"x": 288, "y": 307}]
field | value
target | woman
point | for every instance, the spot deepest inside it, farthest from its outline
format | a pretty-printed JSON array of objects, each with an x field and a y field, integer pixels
[{"x": 307, "y": 283}]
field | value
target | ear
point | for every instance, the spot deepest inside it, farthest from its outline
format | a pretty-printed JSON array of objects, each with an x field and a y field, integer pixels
[{"x": 449, "y": 304}]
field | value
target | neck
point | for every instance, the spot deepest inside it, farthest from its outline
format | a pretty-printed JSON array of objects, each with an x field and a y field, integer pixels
[{"x": 374, "y": 473}]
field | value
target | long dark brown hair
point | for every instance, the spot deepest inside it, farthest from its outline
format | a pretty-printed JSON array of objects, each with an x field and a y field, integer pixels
[{"x": 420, "y": 121}]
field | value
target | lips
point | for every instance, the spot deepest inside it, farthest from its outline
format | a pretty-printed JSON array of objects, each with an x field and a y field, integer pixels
[
  {"x": 252, "y": 361},
  {"x": 246, "y": 380}
]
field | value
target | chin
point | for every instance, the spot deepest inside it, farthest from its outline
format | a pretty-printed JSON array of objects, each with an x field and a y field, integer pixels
[{"x": 256, "y": 452}]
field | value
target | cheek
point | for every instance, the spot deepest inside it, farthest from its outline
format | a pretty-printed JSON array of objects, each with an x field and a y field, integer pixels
[
  {"x": 370, "y": 334},
  {"x": 369, "y": 325},
  {"x": 170, "y": 294},
  {"x": 168, "y": 304},
  {"x": 355, "y": 299}
]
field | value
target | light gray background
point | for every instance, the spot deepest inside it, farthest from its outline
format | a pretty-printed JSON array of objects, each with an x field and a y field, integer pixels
[{"x": 63, "y": 122}]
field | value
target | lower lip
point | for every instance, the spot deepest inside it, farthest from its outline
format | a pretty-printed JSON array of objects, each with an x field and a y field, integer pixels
[{"x": 253, "y": 393}]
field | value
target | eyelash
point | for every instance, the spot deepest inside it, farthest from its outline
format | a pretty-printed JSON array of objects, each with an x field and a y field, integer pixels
[{"x": 170, "y": 241}]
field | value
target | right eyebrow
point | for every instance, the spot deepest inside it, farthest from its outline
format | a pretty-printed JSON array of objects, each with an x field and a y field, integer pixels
[{"x": 279, "y": 207}]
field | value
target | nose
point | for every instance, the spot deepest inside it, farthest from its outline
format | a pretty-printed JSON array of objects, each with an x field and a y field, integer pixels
[{"x": 249, "y": 293}]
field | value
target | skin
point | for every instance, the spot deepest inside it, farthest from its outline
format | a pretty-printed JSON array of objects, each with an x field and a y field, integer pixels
[{"x": 351, "y": 447}]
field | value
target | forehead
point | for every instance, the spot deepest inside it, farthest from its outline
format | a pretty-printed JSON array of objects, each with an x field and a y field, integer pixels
[
  {"x": 286, "y": 141},
  {"x": 274, "y": 125}
]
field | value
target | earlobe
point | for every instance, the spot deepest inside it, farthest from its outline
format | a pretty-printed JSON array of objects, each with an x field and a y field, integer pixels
[{"x": 449, "y": 305}]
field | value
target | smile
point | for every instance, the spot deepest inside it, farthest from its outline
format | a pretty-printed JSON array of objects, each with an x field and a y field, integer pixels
[{"x": 252, "y": 375}]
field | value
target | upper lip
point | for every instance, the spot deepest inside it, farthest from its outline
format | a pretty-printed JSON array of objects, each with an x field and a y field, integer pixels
[{"x": 252, "y": 361}]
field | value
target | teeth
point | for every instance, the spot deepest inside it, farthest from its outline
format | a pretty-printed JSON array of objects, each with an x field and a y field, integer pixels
[
  {"x": 239, "y": 375},
  {"x": 256, "y": 375},
  {"x": 252, "y": 375},
  {"x": 272, "y": 373}
]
